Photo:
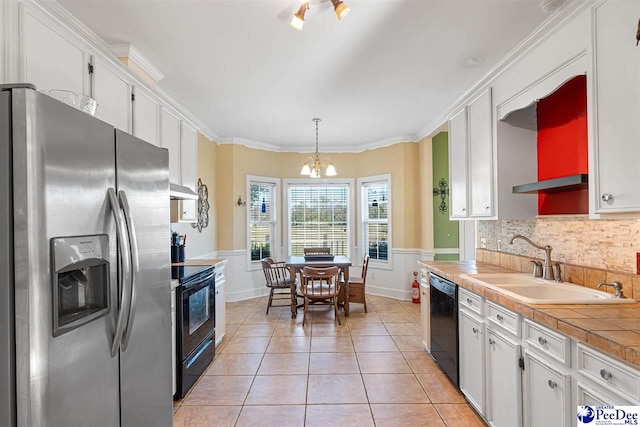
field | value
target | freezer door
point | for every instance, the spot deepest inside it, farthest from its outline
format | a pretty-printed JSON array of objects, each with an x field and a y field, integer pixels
[
  {"x": 145, "y": 356},
  {"x": 63, "y": 163}
]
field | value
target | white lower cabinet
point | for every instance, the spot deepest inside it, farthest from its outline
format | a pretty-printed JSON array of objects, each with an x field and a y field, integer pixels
[
  {"x": 220, "y": 303},
  {"x": 471, "y": 359},
  {"x": 504, "y": 380},
  {"x": 547, "y": 393}
]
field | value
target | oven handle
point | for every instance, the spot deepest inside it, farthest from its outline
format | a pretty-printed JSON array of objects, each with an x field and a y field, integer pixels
[
  {"x": 135, "y": 270},
  {"x": 124, "y": 273},
  {"x": 188, "y": 287}
]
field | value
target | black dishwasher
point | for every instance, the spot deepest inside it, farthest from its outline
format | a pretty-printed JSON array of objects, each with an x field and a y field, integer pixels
[{"x": 444, "y": 325}]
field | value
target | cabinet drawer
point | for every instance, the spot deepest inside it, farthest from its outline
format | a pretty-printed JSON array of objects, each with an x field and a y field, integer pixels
[
  {"x": 356, "y": 293},
  {"x": 550, "y": 343},
  {"x": 609, "y": 373},
  {"x": 505, "y": 319},
  {"x": 470, "y": 300}
]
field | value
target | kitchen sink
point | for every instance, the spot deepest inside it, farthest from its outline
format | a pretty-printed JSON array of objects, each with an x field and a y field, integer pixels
[{"x": 533, "y": 290}]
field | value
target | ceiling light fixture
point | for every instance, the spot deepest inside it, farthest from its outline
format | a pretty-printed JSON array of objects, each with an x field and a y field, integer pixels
[
  {"x": 339, "y": 7},
  {"x": 298, "y": 18},
  {"x": 312, "y": 166}
]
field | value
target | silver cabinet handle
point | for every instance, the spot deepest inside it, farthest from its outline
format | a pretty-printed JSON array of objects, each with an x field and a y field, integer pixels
[
  {"x": 491, "y": 342},
  {"x": 424, "y": 293},
  {"x": 475, "y": 330},
  {"x": 542, "y": 341},
  {"x": 463, "y": 209},
  {"x": 552, "y": 384},
  {"x": 606, "y": 197},
  {"x": 469, "y": 301},
  {"x": 606, "y": 375},
  {"x": 487, "y": 207},
  {"x": 499, "y": 317}
]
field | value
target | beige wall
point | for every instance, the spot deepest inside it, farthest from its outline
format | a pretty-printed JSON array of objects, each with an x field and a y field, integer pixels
[
  {"x": 205, "y": 242},
  {"x": 408, "y": 163}
]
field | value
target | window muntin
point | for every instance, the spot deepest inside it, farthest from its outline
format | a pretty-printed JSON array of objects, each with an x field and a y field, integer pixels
[
  {"x": 375, "y": 218},
  {"x": 319, "y": 217},
  {"x": 262, "y": 220}
]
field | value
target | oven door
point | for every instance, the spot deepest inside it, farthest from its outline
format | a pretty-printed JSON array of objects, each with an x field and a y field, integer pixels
[{"x": 196, "y": 313}]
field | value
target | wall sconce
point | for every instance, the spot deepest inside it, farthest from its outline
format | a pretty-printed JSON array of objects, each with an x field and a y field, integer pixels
[{"x": 240, "y": 202}]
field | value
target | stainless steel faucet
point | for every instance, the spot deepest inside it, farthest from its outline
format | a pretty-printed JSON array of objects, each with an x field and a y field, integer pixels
[{"x": 547, "y": 269}]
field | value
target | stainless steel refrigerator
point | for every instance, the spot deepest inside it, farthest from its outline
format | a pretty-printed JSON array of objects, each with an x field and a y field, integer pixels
[{"x": 85, "y": 332}]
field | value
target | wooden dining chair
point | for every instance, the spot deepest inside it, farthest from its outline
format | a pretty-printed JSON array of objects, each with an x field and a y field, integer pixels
[
  {"x": 317, "y": 251},
  {"x": 278, "y": 276},
  {"x": 357, "y": 292},
  {"x": 320, "y": 286}
]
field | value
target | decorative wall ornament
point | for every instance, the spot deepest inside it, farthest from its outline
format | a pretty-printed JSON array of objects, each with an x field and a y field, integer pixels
[
  {"x": 203, "y": 207},
  {"x": 442, "y": 191}
]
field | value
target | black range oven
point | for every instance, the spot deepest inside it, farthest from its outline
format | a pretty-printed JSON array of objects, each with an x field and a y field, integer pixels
[{"x": 195, "y": 324}]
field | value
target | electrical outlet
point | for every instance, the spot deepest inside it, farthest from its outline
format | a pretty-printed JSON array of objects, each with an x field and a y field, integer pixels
[
  {"x": 499, "y": 245},
  {"x": 373, "y": 275},
  {"x": 483, "y": 242},
  {"x": 637, "y": 262}
]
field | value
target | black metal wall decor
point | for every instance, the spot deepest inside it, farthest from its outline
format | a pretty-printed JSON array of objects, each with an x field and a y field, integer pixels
[
  {"x": 203, "y": 207},
  {"x": 442, "y": 191}
]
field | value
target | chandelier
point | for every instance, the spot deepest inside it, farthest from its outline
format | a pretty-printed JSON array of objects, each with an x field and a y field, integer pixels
[
  {"x": 297, "y": 21},
  {"x": 312, "y": 166}
]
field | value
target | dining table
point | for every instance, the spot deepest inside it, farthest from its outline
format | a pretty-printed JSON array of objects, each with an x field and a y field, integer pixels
[{"x": 297, "y": 263}]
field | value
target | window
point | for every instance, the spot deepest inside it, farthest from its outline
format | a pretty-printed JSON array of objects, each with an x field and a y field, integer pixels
[
  {"x": 376, "y": 216},
  {"x": 262, "y": 220},
  {"x": 318, "y": 216}
]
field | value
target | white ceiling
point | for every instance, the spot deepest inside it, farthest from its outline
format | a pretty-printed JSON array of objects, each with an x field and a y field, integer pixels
[{"x": 384, "y": 73}]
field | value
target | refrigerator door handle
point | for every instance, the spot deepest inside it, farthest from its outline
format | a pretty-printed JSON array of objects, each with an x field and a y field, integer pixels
[
  {"x": 135, "y": 270},
  {"x": 124, "y": 273}
]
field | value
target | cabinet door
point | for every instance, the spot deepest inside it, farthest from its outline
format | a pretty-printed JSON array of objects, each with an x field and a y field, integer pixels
[
  {"x": 220, "y": 307},
  {"x": 424, "y": 315},
  {"x": 481, "y": 156},
  {"x": 471, "y": 359},
  {"x": 145, "y": 117},
  {"x": 170, "y": 139},
  {"x": 51, "y": 61},
  {"x": 616, "y": 106},
  {"x": 189, "y": 169},
  {"x": 547, "y": 394},
  {"x": 504, "y": 380},
  {"x": 458, "y": 165},
  {"x": 113, "y": 95}
]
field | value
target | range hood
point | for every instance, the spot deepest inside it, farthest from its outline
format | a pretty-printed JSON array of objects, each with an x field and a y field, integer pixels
[
  {"x": 556, "y": 185},
  {"x": 180, "y": 192}
]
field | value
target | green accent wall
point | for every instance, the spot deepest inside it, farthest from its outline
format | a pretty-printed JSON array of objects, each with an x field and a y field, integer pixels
[{"x": 445, "y": 232}]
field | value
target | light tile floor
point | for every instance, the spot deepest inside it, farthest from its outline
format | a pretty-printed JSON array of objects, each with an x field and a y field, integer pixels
[{"x": 372, "y": 371}]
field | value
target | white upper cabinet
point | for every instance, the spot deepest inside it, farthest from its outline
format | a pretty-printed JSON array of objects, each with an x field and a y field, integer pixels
[
  {"x": 458, "y": 165},
  {"x": 189, "y": 156},
  {"x": 113, "y": 93},
  {"x": 471, "y": 160},
  {"x": 170, "y": 139},
  {"x": 51, "y": 61},
  {"x": 481, "y": 156},
  {"x": 146, "y": 113},
  {"x": 614, "y": 117}
]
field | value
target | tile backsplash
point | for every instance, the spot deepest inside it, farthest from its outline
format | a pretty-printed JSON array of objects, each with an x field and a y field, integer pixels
[{"x": 602, "y": 244}]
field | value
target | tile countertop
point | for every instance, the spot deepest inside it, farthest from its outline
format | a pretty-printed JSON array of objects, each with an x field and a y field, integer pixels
[
  {"x": 612, "y": 328},
  {"x": 197, "y": 262}
]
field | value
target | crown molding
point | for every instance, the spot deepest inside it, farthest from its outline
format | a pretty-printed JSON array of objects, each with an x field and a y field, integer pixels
[
  {"x": 537, "y": 36},
  {"x": 100, "y": 47},
  {"x": 128, "y": 50}
]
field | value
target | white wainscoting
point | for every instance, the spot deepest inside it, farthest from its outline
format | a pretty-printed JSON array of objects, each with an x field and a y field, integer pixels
[{"x": 242, "y": 284}]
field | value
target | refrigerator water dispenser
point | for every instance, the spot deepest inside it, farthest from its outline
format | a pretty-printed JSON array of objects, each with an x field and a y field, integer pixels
[{"x": 80, "y": 270}]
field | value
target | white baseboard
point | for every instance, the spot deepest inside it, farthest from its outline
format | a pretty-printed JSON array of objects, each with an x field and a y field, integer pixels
[
  {"x": 246, "y": 294},
  {"x": 389, "y": 293}
]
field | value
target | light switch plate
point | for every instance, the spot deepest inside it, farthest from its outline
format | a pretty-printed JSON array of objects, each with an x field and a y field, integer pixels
[
  {"x": 483, "y": 242},
  {"x": 499, "y": 245}
]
